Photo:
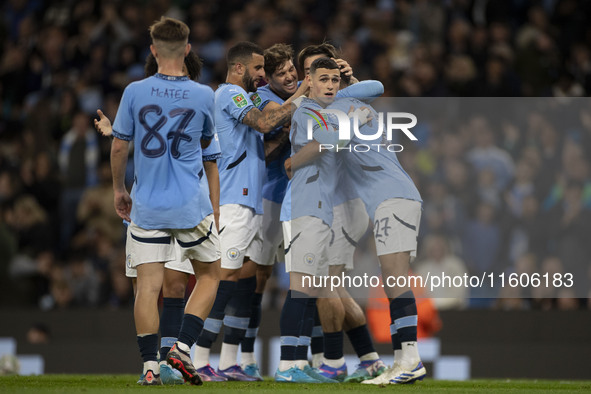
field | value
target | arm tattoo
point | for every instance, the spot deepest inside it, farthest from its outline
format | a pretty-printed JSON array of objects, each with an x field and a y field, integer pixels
[{"x": 267, "y": 121}]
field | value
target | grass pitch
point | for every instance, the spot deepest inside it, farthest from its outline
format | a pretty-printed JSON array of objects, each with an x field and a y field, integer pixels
[{"x": 95, "y": 384}]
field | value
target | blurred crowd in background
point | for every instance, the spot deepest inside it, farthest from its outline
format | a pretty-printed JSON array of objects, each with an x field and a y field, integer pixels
[{"x": 513, "y": 196}]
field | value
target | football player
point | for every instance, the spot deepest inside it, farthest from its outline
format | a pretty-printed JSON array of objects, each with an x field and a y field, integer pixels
[
  {"x": 240, "y": 127},
  {"x": 393, "y": 204},
  {"x": 177, "y": 272},
  {"x": 342, "y": 312},
  {"x": 169, "y": 118},
  {"x": 306, "y": 214},
  {"x": 281, "y": 78}
]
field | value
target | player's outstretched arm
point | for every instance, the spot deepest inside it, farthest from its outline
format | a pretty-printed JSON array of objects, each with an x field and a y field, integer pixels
[
  {"x": 365, "y": 90},
  {"x": 119, "y": 152},
  {"x": 103, "y": 125},
  {"x": 273, "y": 116}
]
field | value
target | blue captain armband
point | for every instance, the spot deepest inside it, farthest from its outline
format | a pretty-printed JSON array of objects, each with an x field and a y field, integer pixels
[
  {"x": 213, "y": 157},
  {"x": 120, "y": 136}
]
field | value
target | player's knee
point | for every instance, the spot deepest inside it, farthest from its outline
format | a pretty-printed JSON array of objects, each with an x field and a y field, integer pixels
[
  {"x": 355, "y": 319},
  {"x": 207, "y": 271},
  {"x": 210, "y": 276},
  {"x": 174, "y": 290},
  {"x": 230, "y": 275},
  {"x": 264, "y": 273},
  {"x": 309, "y": 291},
  {"x": 150, "y": 290},
  {"x": 302, "y": 282}
]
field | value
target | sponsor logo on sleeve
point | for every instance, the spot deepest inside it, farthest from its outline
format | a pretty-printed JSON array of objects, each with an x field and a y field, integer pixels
[
  {"x": 256, "y": 99},
  {"x": 239, "y": 100}
]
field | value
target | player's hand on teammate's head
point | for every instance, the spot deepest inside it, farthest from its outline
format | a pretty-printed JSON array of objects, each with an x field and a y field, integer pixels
[
  {"x": 297, "y": 101},
  {"x": 103, "y": 124},
  {"x": 304, "y": 89},
  {"x": 298, "y": 96},
  {"x": 346, "y": 72},
  {"x": 344, "y": 67}
]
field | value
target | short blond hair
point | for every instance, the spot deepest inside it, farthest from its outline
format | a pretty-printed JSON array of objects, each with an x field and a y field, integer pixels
[{"x": 169, "y": 36}]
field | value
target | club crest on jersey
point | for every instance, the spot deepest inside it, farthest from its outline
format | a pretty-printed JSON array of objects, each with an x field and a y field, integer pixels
[
  {"x": 128, "y": 261},
  {"x": 233, "y": 253},
  {"x": 256, "y": 99},
  {"x": 309, "y": 258},
  {"x": 239, "y": 100}
]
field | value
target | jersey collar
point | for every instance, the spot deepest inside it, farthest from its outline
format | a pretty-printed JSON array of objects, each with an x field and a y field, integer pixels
[{"x": 171, "y": 78}]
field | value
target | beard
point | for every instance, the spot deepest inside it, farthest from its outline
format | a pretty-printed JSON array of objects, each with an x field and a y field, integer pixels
[{"x": 248, "y": 82}]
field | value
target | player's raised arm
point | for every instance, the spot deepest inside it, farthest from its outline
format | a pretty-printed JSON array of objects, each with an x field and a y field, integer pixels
[
  {"x": 312, "y": 52},
  {"x": 347, "y": 78},
  {"x": 364, "y": 90},
  {"x": 274, "y": 114},
  {"x": 245, "y": 71}
]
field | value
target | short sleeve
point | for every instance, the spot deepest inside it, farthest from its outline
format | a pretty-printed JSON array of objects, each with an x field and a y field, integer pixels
[
  {"x": 123, "y": 127},
  {"x": 237, "y": 103},
  {"x": 213, "y": 151},
  {"x": 259, "y": 101},
  {"x": 208, "y": 125}
]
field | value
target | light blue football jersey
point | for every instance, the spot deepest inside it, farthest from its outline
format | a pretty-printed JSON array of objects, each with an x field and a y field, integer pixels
[
  {"x": 242, "y": 165},
  {"x": 376, "y": 174},
  {"x": 275, "y": 183},
  {"x": 212, "y": 151},
  {"x": 345, "y": 189},
  {"x": 363, "y": 90},
  {"x": 166, "y": 117},
  {"x": 310, "y": 191},
  {"x": 276, "y": 179}
]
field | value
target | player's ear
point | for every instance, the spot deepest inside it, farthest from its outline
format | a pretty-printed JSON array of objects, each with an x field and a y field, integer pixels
[
  {"x": 239, "y": 68},
  {"x": 187, "y": 49},
  {"x": 153, "y": 50}
]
